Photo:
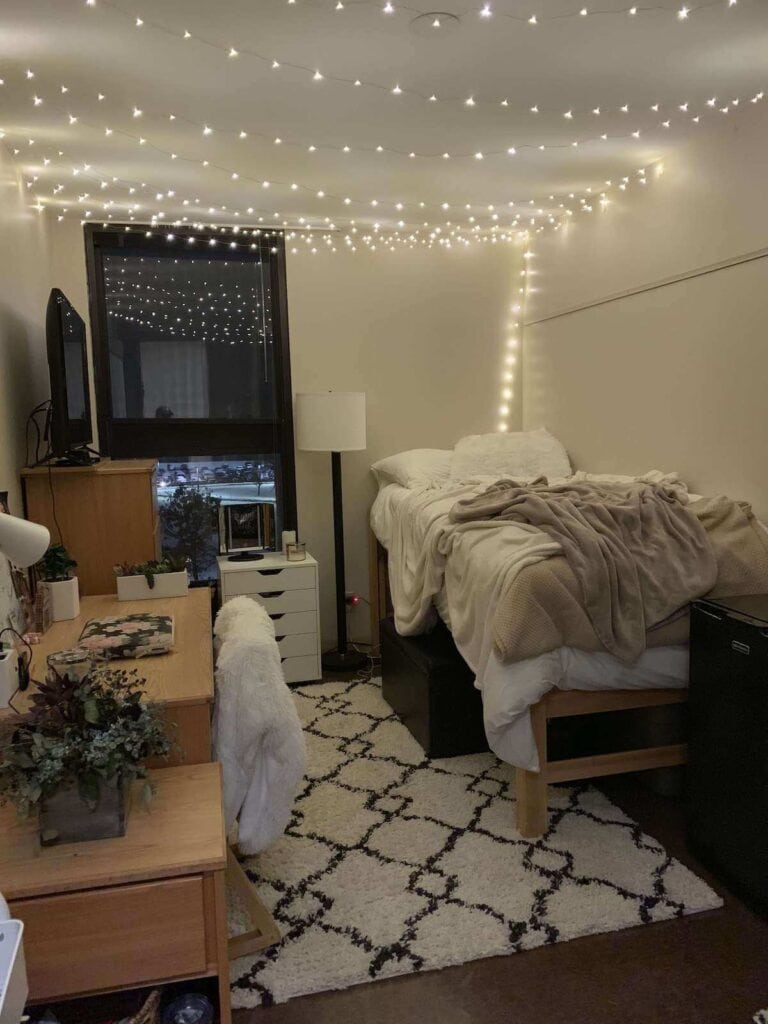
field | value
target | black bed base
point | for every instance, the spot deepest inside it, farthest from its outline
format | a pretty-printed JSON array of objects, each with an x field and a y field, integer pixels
[{"x": 432, "y": 689}]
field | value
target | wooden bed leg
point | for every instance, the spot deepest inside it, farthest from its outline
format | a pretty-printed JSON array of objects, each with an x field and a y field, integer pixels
[
  {"x": 378, "y": 586},
  {"x": 532, "y": 786},
  {"x": 373, "y": 589}
]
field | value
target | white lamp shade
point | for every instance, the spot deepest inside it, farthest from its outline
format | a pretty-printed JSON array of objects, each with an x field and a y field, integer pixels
[
  {"x": 22, "y": 542},
  {"x": 330, "y": 421}
]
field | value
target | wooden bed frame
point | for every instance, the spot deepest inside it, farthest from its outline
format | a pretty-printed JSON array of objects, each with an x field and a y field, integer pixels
[{"x": 532, "y": 786}]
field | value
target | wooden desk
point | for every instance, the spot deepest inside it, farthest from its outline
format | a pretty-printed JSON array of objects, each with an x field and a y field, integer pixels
[
  {"x": 143, "y": 909},
  {"x": 182, "y": 681}
]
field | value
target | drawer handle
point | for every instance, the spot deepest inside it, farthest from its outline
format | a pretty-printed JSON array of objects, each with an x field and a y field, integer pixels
[
  {"x": 279, "y": 639},
  {"x": 268, "y": 572},
  {"x": 272, "y": 593},
  {"x": 282, "y": 660},
  {"x": 277, "y": 615}
]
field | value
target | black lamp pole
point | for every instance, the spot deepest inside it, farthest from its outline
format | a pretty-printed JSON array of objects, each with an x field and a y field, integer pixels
[{"x": 342, "y": 659}]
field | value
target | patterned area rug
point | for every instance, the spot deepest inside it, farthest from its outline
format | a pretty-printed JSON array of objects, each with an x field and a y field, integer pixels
[{"x": 395, "y": 864}]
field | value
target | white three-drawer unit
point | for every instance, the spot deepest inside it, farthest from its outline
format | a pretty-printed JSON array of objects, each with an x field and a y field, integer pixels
[{"x": 290, "y": 592}]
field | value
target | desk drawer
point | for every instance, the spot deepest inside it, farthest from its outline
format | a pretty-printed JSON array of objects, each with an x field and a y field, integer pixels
[
  {"x": 287, "y": 600},
  {"x": 126, "y": 936},
  {"x": 297, "y": 644},
  {"x": 294, "y": 622},
  {"x": 260, "y": 581},
  {"x": 300, "y": 670}
]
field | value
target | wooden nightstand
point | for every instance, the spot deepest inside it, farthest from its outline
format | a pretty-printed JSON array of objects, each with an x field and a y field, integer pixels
[
  {"x": 290, "y": 592},
  {"x": 143, "y": 909}
]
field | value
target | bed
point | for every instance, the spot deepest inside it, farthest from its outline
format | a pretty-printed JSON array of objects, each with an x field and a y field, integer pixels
[{"x": 422, "y": 566}]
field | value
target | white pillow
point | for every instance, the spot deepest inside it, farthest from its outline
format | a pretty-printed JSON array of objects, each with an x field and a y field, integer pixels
[
  {"x": 421, "y": 467},
  {"x": 520, "y": 456}
]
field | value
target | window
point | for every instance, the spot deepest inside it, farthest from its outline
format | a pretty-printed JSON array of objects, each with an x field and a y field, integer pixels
[{"x": 192, "y": 367}]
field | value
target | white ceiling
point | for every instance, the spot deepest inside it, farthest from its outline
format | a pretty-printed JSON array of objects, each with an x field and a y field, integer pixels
[{"x": 571, "y": 63}]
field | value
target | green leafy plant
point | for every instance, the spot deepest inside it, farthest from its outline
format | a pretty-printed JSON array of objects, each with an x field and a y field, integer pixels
[
  {"x": 168, "y": 563},
  {"x": 56, "y": 564},
  {"x": 189, "y": 518},
  {"x": 92, "y": 731}
]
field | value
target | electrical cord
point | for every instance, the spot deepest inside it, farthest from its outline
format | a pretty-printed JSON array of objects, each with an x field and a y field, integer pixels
[
  {"x": 24, "y": 674},
  {"x": 32, "y": 421},
  {"x": 53, "y": 505}
]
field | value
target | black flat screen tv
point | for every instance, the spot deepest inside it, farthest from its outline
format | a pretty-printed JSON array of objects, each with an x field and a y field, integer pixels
[{"x": 70, "y": 415}]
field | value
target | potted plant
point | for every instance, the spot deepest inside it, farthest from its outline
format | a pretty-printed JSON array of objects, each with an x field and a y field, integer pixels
[
  {"x": 166, "y": 577},
  {"x": 55, "y": 571},
  {"x": 73, "y": 756}
]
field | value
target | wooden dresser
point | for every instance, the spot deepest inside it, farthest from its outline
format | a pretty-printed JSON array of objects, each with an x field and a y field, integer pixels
[
  {"x": 107, "y": 513},
  {"x": 142, "y": 909}
]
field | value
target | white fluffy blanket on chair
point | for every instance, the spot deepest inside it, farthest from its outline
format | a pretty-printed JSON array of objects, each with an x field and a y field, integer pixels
[{"x": 257, "y": 734}]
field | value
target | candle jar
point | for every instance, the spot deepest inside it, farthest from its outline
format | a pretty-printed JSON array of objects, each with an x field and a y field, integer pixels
[{"x": 296, "y": 552}]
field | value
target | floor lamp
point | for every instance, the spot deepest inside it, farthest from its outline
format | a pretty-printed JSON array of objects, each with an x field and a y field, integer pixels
[{"x": 334, "y": 421}]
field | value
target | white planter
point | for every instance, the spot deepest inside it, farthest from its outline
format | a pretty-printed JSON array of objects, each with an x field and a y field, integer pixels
[
  {"x": 167, "y": 584},
  {"x": 65, "y": 599}
]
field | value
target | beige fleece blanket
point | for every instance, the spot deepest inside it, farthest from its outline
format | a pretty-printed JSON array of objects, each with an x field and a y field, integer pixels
[{"x": 543, "y": 607}]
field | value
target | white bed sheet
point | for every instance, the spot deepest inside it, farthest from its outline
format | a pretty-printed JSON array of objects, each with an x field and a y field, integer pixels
[{"x": 509, "y": 690}]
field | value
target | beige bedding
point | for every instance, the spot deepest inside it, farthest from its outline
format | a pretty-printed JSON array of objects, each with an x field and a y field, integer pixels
[{"x": 542, "y": 608}]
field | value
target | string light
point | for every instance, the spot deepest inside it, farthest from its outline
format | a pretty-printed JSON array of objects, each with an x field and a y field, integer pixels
[
  {"x": 520, "y": 146},
  {"x": 534, "y": 19},
  {"x": 320, "y": 193}
]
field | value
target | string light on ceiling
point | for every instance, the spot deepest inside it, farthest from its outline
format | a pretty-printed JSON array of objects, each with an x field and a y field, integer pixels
[
  {"x": 324, "y": 193},
  {"x": 536, "y": 221},
  {"x": 445, "y": 238},
  {"x": 537, "y": 19},
  {"x": 487, "y": 10},
  {"x": 635, "y": 133}
]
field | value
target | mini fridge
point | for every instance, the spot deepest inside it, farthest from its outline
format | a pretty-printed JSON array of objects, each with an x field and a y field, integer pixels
[{"x": 727, "y": 777}]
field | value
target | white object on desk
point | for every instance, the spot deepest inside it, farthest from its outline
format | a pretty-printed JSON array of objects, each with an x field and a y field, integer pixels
[
  {"x": 9, "y": 675},
  {"x": 289, "y": 537},
  {"x": 65, "y": 598},
  {"x": 13, "y": 972},
  {"x": 167, "y": 584},
  {"x": 290, "y": 592},
  {"x": 22, "y": 542}
]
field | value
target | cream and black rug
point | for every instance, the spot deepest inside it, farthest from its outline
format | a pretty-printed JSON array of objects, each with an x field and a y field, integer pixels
[{"x": 395, "y": 864}]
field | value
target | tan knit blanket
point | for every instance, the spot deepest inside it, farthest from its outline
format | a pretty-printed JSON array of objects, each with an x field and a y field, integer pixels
[{"x": 637, "y": 557}]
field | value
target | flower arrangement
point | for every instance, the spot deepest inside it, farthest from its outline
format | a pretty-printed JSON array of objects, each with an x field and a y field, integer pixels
[
  {"x": 56, "y": 564},
  {"x": 92, "y": 732},
  {"x": 168, "y": 563}
]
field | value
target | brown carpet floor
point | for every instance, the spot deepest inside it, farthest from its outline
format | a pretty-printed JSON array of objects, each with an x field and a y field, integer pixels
[{"x": 710, "y": 968}]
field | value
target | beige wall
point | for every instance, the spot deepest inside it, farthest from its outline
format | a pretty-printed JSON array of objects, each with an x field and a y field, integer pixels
[
  {"x": 23, "y": 367},
  {"x": 673, "y": 377},
  {"x": 421, "y": 332},
  {"x": 23, "y": 295}
]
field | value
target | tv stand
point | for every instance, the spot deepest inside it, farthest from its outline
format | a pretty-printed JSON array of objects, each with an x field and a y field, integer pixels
[
  {"x": 83, "y": 456},
  {"x": 78, "y": 457}
]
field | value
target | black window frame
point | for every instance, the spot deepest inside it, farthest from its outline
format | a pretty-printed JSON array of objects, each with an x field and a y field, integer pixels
[{"x": 168, "y": 438}]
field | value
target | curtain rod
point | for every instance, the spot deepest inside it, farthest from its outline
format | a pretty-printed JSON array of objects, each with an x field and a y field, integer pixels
[{"x": 713, "y": 268}]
